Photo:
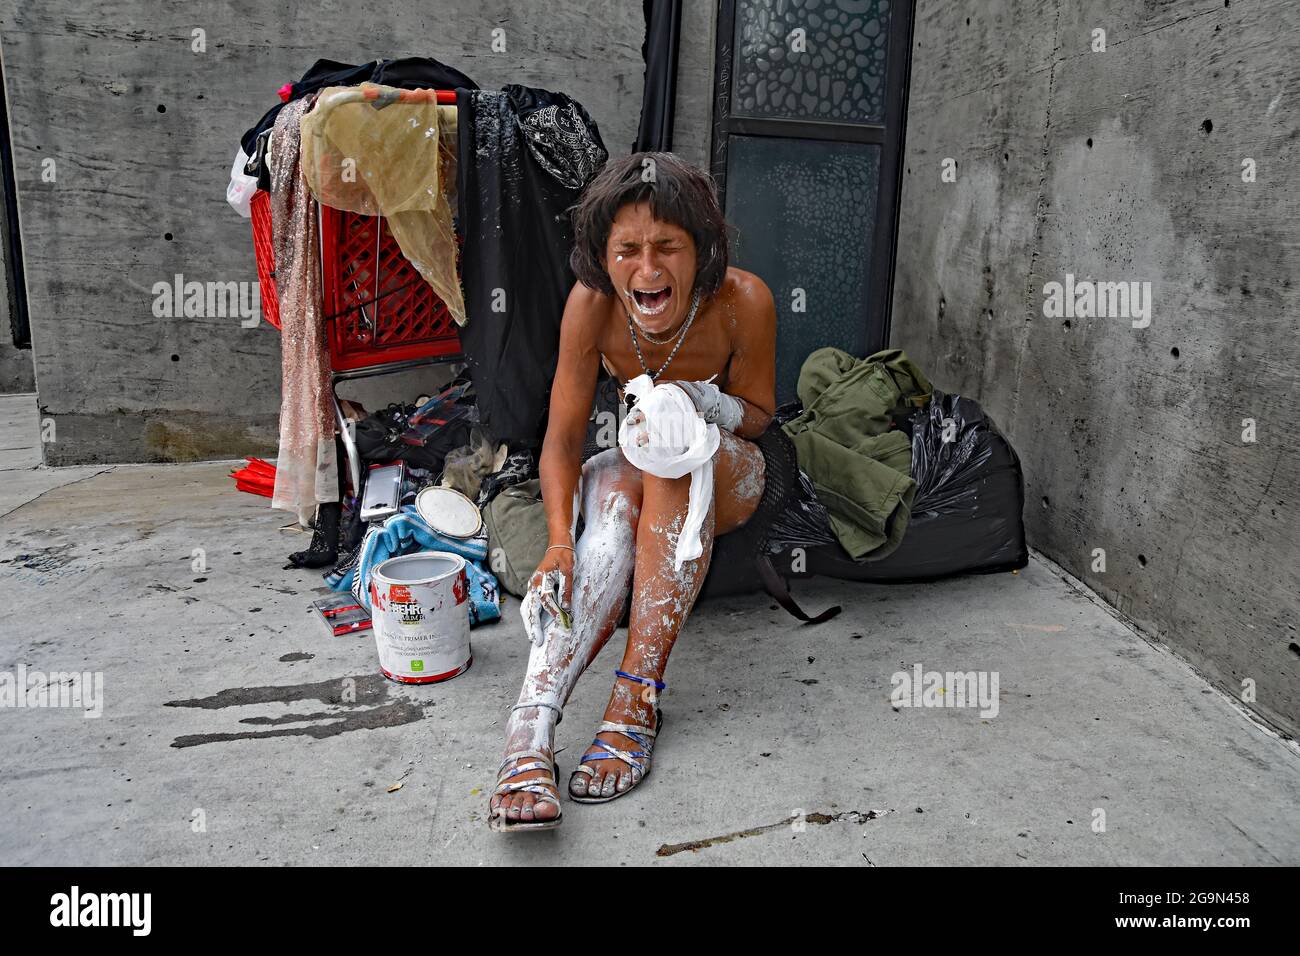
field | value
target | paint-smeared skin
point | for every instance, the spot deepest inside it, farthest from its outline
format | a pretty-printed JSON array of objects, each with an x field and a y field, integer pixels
[
  {"x": 603, "y": 563},
  {"x": 630, "y": 539}
]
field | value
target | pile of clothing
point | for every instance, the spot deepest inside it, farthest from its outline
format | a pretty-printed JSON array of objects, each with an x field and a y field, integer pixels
[
  {"x": 476, "y": 197},
  {"x": 440, "y": 441}
]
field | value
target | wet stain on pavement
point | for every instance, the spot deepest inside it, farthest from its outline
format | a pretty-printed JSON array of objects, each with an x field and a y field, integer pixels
[
  {"x": 288, "y": 718},
  {"x": 363, "y": 703},
  {"x": 362, "y": 689},
  {"x": 44, "y": 559}
]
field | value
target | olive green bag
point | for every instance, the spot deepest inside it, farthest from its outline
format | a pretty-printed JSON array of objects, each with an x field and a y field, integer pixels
[{"x": 516, "y": 525}]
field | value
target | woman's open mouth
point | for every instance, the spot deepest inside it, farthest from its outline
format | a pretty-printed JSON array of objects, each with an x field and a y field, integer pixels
[{"x": 652, "y": 301}]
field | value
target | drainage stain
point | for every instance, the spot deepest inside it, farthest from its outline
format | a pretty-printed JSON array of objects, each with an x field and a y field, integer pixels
[
  {"x": 818, "y": 819},
  {"x": 391, "y": 715}
]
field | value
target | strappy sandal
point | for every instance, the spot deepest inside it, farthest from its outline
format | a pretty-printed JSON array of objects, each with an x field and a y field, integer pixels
[
  {"x": 638, "y": 760},
  {"x": 540, "y": 787}
]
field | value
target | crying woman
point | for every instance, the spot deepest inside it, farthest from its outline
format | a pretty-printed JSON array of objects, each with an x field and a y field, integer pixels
[{"x": 655, "y": 296}]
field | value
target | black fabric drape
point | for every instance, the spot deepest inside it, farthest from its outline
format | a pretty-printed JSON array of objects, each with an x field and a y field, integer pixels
[
  {"x": 663, "y": 25},
  {"x": 525, "y": 156}
]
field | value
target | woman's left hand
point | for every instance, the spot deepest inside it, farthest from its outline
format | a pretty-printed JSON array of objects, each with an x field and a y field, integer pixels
[{"x": 715, "y": 405}]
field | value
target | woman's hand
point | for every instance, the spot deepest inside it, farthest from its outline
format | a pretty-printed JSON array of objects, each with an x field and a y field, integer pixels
[
  {"x": 715, "y": 405},
  {"x": 550, "y": 590}
]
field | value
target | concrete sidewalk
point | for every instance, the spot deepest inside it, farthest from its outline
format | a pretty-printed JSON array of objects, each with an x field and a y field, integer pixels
[{"x": 224, "y": 738}]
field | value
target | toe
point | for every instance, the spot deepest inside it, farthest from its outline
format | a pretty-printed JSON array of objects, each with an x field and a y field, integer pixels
[
  {"x": 517, "y": 806},
  {"x": 578, "y": 785},
  {"x": 593, "y": 788},
  {"x": 624, "y": 781},
  {"x": 608, "y": 784}
]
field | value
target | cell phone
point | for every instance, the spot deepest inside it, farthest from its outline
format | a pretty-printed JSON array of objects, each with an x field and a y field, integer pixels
[{"x": 383, "y": 491}]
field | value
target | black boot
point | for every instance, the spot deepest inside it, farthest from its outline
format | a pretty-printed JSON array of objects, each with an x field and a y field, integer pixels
[{"x": 324, "y": 548}]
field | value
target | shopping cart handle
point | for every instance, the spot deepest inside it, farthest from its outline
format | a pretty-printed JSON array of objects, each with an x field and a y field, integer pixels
[{"x": 379, "y": 97}]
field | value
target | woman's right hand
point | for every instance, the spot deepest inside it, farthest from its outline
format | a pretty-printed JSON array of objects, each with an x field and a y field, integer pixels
[{"x": 550, "y": 590}]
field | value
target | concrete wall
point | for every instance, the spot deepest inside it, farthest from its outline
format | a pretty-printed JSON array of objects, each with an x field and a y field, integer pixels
[
  {"x": 139, "y": 192},
  {"x": 1126, "y": 165}
]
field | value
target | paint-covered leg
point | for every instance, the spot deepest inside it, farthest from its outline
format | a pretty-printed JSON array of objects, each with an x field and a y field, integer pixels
[
  {"x": 603, "y": 568},
  {"x": 663, "y": 596}
]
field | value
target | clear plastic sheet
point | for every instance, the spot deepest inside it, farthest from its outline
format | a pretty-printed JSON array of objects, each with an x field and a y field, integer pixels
[{"x": 397, "y": 161}]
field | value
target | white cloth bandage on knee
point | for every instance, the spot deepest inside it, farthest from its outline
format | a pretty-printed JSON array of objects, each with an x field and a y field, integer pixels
[{"x": 669, "y": 439}]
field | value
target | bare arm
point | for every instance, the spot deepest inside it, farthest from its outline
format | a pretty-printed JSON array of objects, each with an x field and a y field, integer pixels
[
  {"x": 752, "y": 377},
  {"x": 571, "y": 396}
]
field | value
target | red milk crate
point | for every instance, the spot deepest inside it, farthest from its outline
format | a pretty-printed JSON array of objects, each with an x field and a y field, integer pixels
[{"x": 379, "y": 309}]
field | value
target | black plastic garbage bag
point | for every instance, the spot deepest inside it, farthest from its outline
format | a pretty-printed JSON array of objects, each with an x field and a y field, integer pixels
[{"x": 966, "y": 517}]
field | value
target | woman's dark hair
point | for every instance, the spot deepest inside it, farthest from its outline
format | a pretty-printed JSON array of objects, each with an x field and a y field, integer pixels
[{"x": 678, "y": 193}]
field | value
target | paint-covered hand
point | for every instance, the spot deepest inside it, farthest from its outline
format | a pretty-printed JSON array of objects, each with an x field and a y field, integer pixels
[
  {"x": 550, "y": 593},
  {"x": 715, "y": 405}
]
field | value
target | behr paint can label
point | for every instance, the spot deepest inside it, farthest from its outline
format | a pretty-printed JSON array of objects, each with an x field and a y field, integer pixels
[{"x": 420, "y": 620}]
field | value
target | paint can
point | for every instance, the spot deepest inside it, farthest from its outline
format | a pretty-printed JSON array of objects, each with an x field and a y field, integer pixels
[{"x": 420, "y": 620}]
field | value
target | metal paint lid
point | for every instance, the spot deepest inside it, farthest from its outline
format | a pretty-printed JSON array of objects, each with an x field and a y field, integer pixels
[{"x": 449, "y": 512}]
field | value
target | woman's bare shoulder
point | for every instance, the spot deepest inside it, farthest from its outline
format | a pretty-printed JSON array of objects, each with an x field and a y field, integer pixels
[
  {"x": 753, "y": 310},
  {"x": 586, "y": 312},
  {"x": 746, "y": 289}
]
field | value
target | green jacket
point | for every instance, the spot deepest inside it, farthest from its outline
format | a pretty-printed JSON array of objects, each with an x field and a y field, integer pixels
[{"x": 859, "y": 467}]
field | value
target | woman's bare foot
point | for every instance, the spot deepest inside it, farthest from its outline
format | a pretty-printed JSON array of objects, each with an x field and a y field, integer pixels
[
  {"x": 629, "y": 703},
  {"x": 530, "y": 728}
]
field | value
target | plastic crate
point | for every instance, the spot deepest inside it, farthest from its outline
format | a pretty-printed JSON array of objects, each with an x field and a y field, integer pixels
[
  {"x": 379, "y": 309},
  {"x": 382, "y": 309},
  {"x": 265, "y": 253}
]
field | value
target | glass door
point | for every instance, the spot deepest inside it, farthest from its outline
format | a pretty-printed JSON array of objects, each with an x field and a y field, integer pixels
[{"x": 810, "y": 97}]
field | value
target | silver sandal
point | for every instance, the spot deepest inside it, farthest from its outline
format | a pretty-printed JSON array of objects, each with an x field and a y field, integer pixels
[
  {"x": 638, "y": 760},
  {"x": 498, "y": 821}
]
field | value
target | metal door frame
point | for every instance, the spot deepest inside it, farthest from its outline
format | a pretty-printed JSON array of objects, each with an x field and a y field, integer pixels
[
  {"x": 889, "y": 136},
  {"x": 15, "y": 281}
]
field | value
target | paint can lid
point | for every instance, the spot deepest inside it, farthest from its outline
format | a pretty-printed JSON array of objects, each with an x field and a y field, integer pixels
[{"x": 449, "y": 512}]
